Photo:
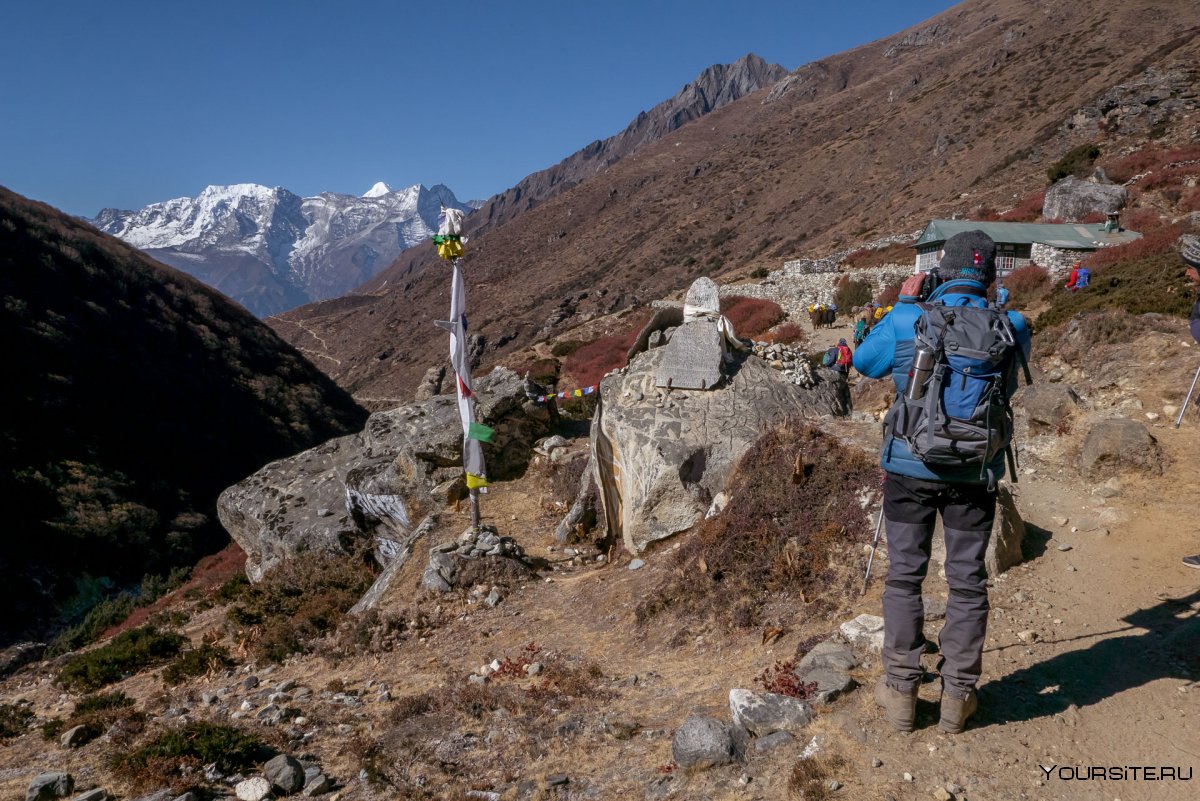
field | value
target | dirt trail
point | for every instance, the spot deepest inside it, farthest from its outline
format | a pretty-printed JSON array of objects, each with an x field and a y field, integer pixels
[{"x": 1108, "y": 678}]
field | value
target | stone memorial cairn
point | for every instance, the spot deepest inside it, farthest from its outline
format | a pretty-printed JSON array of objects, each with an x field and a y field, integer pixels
[{"x": 697, "y": 349}]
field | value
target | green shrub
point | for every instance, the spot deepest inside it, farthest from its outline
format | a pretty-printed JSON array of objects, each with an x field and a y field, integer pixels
[
  {"x": 172, "y": 755},
  {"x": 102, "y": 702},
  {"x": 298, "y": 602},
  {"x": 129, "y": 652},
  {"x": 1077, "y": 161},
  {"x": 231, "y": 590},
  {"x": 1154, "y": 283},
  {"x": 196, "y": 662},
  {"x": 14, "y": 720}
]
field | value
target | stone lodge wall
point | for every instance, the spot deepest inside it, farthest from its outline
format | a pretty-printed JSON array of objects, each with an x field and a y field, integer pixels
[
  {"x": 796, "y": 291},
  {"x": 1057, "y": 261}
]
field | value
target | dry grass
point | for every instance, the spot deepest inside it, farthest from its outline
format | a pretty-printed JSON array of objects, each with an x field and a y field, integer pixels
[
  {"x": 809, "y": 780},
  {"x": 430, "y": 741},
  {"x": 790, "y": 528}
]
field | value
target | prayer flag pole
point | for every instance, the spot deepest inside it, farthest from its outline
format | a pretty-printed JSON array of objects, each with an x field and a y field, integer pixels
[{"x": 449, "y": 246}]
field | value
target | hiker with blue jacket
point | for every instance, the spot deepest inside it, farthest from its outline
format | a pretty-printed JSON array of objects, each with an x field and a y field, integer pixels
[{"x": 945, "y": 444}]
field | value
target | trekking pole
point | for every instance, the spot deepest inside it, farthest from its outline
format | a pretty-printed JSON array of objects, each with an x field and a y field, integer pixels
[
  {"x": 874, "y": 545},
  {"x": 1188, "y": 399}
]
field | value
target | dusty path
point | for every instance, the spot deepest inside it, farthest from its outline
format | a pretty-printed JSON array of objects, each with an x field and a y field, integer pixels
[{"x": 1107, "y": 679}]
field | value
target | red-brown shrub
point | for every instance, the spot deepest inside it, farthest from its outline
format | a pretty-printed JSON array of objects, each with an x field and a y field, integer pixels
[
  {"x": 751, "y": 316},
  {"x": 591, "y": 362},
  {"x": 786, "y": 334},
  {"x": 1154, "y": 242},
  {"x": 1149, "y": 161},
  {"x": 984, "y": 214},
  {"x": 792, "y": 528},
  {"x": 1028, "y": 210},
  {"x": 1027, "y": 285},
  {"x": 898, "y": 253},
  {"x": 781, "y": 679}
]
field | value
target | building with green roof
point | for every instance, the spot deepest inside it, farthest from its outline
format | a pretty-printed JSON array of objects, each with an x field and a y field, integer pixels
[{"x": 1055, "y": 246}]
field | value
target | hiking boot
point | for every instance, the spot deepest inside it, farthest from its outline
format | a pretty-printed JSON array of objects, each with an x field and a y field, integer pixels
[
  {"x": 899, "y": 708},
  {"x": 955, "y": 712},
  {"x": 1192, "y": 561}
]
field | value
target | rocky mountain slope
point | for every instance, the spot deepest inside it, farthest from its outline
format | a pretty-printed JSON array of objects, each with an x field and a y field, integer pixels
[
  {"x": 270, "y": 249},
  {"x": 133, "y": 396},
  {"x": 978, "y": 100},
  {"x": 717, "y": 86}
]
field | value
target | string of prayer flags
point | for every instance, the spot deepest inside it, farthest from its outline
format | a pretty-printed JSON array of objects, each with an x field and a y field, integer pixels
[{"x": 571, "y": 393}]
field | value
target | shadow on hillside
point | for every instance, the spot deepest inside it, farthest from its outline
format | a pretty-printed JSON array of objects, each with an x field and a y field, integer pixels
[{"x": 1170, "y": 648}]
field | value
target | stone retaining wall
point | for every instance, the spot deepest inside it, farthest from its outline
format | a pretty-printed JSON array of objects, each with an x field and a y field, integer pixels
[
  {"x": 795, "y": 292},
  {"x": 1056, "y": 260}
]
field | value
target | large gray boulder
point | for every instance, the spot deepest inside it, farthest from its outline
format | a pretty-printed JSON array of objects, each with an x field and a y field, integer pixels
[
  {"x": 1047, "y": 406},
  {"x": 50, "y": 786},
  {"x": 662, "y": 456},
  {"x": 285, "y": 773},
  {"x": 1072, "y": 199},
  {"x": 703, "y": 742},
  {"x": 1116, "y": 445},
  {"x": 378, "y": 483}
]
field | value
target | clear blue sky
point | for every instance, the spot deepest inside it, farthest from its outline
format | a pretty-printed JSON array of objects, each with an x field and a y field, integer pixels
[{"x": 127, "y": 102}]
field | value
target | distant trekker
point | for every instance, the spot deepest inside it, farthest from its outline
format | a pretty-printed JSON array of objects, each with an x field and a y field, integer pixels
[
  {"x": 845, "y": 357},
  {"x": 954, "y": 363},
  {"x": 1001, "y": 296}
]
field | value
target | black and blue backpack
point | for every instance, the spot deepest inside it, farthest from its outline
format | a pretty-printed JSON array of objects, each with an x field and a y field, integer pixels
[{"x": 964, "y": 418}]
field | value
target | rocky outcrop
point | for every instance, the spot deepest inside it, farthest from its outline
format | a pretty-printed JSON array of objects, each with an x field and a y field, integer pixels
[
  {"x": 1116, "y": 445},
  {"x": 663, "y": 455},
  {"x": 1047, "y": 407},
  {"x": 703, "y": 742},
  {"x": 1073, "y": 200},
  {"x": 380, "y": 483}
]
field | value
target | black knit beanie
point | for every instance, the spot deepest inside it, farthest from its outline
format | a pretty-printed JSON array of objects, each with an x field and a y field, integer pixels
[{"x": 970, "y": 255}]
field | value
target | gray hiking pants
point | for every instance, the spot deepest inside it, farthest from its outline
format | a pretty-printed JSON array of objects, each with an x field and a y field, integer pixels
[{"x": 911, "y": 507}]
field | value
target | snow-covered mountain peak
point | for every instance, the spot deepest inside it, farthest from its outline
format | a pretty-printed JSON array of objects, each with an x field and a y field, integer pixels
[
  {"x": 270, "y": 249},
  {"x": 378, "y": 190}
]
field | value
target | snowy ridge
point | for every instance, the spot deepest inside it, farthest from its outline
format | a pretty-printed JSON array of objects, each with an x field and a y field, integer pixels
[{"x": 239, "y": 236}]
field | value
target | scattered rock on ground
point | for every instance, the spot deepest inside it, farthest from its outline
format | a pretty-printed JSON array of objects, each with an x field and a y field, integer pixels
[
  {"x": 1119, "y": 444},
  {"x": 766, "y": 713},
  {"x": 703, "y": 742},
  {"x": 50, "y": 786},
  {"x": 829, "y": 654},
  {"x": 256, "y": 788},
  {"x": 285, "y": 773},
  {"x": 864, "y": 630},
  {"x": 1047, "y": 406}
]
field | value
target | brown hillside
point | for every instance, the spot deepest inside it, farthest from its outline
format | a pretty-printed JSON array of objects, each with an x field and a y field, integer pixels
[
  {"x": 967, "y": 109},
  {"x": 133, "y": 395}
]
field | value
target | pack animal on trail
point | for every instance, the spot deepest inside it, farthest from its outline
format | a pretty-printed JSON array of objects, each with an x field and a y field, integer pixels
[{"x": 822, "y": 317}]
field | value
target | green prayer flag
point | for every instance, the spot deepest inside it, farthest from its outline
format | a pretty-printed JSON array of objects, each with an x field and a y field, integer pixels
[{"x": 480, "y": 432}]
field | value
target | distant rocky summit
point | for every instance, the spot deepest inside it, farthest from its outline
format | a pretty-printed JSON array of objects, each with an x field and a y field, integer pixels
[{"x": 270, "y": 249}]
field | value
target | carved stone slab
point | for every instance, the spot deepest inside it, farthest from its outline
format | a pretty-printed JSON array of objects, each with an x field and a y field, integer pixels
[
  {"x": 692, "y": 359},
  {"x": 703, "y": 294}
]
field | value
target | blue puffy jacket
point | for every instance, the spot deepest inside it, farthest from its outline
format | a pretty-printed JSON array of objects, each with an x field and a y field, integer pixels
[{"x": 889, "y": 348}]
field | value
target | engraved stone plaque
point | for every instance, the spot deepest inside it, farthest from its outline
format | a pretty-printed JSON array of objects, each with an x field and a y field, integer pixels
[
  {"x": 704, "y": 295},
  {"x": 692, "y": 359}
]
